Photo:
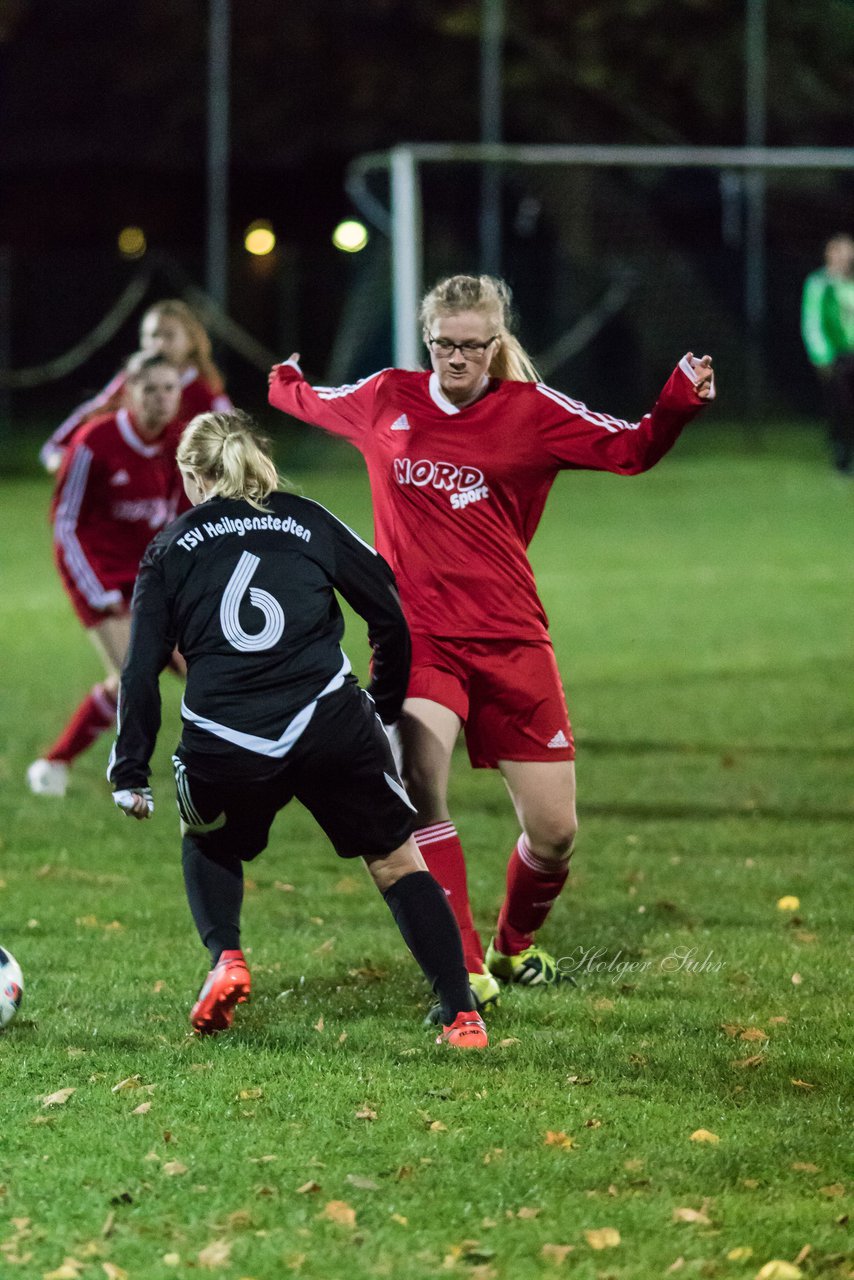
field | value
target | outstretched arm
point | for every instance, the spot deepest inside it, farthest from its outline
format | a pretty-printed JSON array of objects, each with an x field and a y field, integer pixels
[
  {"x": 575, "y": 436},
  {"x": 345, "y": 411}
]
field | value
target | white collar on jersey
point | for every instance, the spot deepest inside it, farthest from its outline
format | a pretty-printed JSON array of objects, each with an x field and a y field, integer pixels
[
  {"x": 128, "y": 433},
  {"x": 438, "y": 397}
]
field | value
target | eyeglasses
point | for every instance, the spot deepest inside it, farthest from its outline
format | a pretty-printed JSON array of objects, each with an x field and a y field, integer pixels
[{"x": 471, "y": 350}]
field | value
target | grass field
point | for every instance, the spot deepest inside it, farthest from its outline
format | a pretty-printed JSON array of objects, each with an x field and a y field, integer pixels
[{"x": 702, "y": 617}]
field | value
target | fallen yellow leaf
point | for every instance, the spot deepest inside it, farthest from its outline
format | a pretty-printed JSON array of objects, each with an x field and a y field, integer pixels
[
  {"x": 250, "y": 1095},
  {"x": 400, "y": 1219},
  {"x": 603, "y": 1238},
  {"x": 695, "y": 1216},
  {"x": 527, "y": 1211},
  {"x": 777, "y": 1269},
  {"x": 788, "y": 902},
  {"x": 341, "y": 1212},
  {"x": 436, "y": 1126},
  {"x": 558, "y": 1139},
  {"x": 171, "y": 1259},
  {"x": 835, "y": 1189},
  {"x": 308, "y": 1188},
  {"x": 801, "y": 1166},
  {"x": 740, "y": 1254},
  {"x": 778, "y": 1020},
  {"x": 142, "y": 1110},
  {"x": 215, "y": 1255},
  {"x": 131, "y": 1082},
  {"x": 741, "y": 1064},
  {"x": 704, "y": 1135},
  {"x": 70, "y": 1270},
  {"x": 318, "y": 1026},
  {"x": 174, "y": 1168},
  {"x": 57, "y": 1099},
  {"x": 796, "y": 979},
  {"x": 112, "y": 1272},
  {"x": 366, "y": 1113},
  {"x": 802, "y": 1084},
  {"x": 556, "y": 1253},
  {"x": 753, "y": 1033}
]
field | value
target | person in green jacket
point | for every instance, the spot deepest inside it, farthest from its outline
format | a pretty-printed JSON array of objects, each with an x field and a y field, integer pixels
[{"x": 827, "y": 328}]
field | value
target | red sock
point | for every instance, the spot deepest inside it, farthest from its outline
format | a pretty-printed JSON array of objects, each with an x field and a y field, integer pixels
[
  {"x": 441, "y": 850},
  {"x": 533, "y": 885},
  {"x": 96, "y": 713}
]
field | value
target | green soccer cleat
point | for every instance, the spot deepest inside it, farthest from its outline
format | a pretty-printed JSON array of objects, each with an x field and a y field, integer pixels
[
  {"x": 533, "y": 967},
  {"x": 486, "y": 993}
]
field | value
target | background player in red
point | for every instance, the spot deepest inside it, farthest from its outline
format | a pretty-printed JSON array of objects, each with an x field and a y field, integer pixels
[
  {"x": 460, "y": 462},
  {"x": 116, "y": 490},
  {"x": 171, "y": 329}
]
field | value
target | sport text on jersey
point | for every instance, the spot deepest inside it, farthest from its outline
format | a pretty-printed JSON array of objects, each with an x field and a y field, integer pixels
[
  {"x": 242, "y": 526},
  {"x": 464, "y": 483}
]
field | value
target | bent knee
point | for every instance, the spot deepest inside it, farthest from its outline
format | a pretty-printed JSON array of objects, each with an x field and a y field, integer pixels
[{"x": 554, "y": 841}]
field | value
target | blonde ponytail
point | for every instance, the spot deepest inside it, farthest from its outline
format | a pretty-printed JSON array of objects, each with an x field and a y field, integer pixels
[
  {"x": 490, "y": 296},
  {"x": 229, "y": 457}
]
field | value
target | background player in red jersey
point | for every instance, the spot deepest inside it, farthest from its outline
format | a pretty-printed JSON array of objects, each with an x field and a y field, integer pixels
[
  {"x": 460, "y": 462},
  {"x": 171, "y": 329},
  {"x": 116, "y": 490}
]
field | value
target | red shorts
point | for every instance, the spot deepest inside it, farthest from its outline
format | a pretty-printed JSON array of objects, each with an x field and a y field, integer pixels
[
  {"x": 508, "y": 694},
  {"x": 88, "y": 616}
]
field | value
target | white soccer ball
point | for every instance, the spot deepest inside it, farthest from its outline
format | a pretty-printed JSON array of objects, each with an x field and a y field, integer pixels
[{"x": 11, "y": 987}]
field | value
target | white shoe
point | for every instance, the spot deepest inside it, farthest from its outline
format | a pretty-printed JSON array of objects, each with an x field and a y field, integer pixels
[{"x": 48, "y": 777}]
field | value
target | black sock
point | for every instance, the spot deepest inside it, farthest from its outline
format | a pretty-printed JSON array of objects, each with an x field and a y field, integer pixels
[
  {"x": 425, "y": 920},
  {"x": 214, "y": 884}
]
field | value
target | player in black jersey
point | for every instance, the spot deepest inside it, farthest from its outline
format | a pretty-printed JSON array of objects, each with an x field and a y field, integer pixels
[{"x": 244, "y": 585}]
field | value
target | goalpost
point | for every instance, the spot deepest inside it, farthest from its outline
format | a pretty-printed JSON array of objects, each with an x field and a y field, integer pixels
[{"x": 402, "y": 220}]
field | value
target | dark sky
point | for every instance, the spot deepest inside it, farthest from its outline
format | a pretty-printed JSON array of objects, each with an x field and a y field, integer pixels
[
  {"x": 103, "y": 109},
  {"x": 104, "y": 103}
]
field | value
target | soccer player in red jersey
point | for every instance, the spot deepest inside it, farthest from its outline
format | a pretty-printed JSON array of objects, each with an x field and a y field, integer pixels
[
  {"x": 116, "y": 489},
  {"x": 460, "y": 461},
  {"x": 171, "y": 329}
]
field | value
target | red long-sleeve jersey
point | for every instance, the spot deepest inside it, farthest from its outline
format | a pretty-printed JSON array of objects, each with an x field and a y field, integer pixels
[
  {"x": 197, "y": 396},
  {"x": 115, "y": 491},
  {"x": 458, "y": 492}
]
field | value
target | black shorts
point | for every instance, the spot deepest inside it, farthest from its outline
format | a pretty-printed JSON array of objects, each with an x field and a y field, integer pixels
[{"x": 342, "y": 770}]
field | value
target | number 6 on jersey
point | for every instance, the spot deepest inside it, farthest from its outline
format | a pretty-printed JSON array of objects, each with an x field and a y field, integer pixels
[{"x": 229, "y": 610}]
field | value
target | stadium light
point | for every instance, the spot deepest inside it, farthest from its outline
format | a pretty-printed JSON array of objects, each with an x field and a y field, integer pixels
[
  {"x": 350, "y": 236},
  {"x": 259, "y": 238},
  {"x": 132, "y": 242}
]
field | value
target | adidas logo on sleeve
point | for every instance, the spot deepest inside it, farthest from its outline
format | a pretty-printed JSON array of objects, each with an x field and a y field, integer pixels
[
  {"x": 559, "y": 740},
  {"x": 400, "y": 424}
]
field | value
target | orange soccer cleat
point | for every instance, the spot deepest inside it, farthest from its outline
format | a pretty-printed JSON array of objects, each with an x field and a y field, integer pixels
[
  {"x": 467, "y": 1031},
  {"x": 228, "y": 984}
]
